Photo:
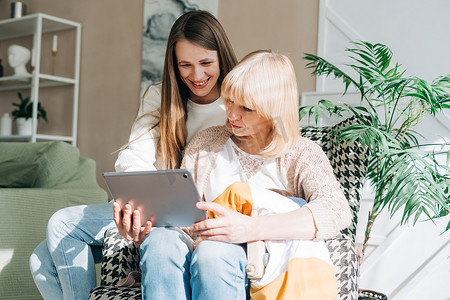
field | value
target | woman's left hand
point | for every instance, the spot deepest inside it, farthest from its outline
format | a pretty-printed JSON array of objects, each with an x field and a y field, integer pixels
[{"x": 230, "y": 226}]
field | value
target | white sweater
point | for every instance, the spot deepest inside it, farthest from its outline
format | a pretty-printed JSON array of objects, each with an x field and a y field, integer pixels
[{"x": 142, "y": 154}]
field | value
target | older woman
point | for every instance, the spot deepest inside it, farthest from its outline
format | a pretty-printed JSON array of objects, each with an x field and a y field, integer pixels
[{"x": 260, "y": 148}]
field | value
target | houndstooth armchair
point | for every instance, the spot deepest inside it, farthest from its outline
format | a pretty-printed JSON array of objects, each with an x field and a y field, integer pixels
[{"x": 349, "y": 162}]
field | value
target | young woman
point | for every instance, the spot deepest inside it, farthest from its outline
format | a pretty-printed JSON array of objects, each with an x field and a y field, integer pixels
[
  {"x": 260, "y": 149},
  {"x": 198, "y": 57}
]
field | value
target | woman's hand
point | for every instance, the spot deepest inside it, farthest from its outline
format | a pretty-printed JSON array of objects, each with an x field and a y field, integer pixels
[
  {"x": 230, "y": 226},
  {"x": 129, "y": 224}
]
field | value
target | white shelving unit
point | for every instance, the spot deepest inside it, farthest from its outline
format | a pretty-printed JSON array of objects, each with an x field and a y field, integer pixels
[{"x": 34, "y": 26}]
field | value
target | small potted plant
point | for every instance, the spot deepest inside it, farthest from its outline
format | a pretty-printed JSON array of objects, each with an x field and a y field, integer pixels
[{"x": 24, "y": 112}]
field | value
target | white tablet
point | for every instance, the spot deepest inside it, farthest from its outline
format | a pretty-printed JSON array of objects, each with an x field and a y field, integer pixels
[{"x": 167, "y": 196}]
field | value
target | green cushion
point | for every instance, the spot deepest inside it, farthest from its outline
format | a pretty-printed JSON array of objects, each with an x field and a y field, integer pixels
[
  {"x": 58, "y": 162},
  {"x": 23, "y": 152},
  {"x": 15, "y": 174}
]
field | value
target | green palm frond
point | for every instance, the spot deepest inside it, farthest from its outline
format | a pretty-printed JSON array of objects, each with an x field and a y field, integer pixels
[
  {"x": 411, "y": 185},
  {"x": 377, "y": 55},
  {"x": 373, "y": 63},
  {"x": 323, "y": 105},
  {"x": 442, "y": 82},
  {"x": 321, "y": 66},
  {"x": 368, "y": 136},
  {"x": 439, "y": 86}
]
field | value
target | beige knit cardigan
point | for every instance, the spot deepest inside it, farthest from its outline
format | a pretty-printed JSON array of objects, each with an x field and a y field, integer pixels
[{"x": 305, "y": 171}]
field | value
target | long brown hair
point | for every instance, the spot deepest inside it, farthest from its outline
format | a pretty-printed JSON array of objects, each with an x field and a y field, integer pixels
[{"x": 203, "y": 29}]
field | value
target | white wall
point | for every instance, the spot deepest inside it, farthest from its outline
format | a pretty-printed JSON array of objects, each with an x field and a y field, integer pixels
[
  {"x": 417, "y": 31},
  {"x": 404, "y": 262}
]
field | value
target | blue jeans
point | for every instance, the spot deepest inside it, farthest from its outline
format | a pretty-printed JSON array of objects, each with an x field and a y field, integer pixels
[
  {"x": 63, "y": 266},
  {"x": 298, "y": 200},
  {"x": 171, "y": 270}
]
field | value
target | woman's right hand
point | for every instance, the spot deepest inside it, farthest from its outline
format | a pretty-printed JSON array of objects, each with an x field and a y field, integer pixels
[{"x": 129, "y": 223}]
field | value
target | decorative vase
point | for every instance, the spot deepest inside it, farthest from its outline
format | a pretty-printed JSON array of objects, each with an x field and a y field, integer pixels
[
  {"x": 24, "y": 126},
  {"x": 5, "y": 125}
]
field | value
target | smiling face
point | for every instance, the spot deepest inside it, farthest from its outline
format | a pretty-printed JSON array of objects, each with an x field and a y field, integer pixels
[{"x": 199, "y": 69}]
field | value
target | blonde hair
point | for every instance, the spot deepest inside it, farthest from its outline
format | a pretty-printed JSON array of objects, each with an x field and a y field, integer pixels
[
  {"x": 202, "y": 28},
  {"x": 265, "y": 81}
]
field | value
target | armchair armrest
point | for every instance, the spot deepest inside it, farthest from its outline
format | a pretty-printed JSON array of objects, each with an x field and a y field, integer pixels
[
  {"x": 119, "y": 258},
  {"x": 344, "y": 256}
]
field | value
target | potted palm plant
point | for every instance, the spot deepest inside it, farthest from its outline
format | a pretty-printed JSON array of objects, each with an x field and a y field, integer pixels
[
  {"x": 404, "y": 176},
  {"x": 24, "y": 112}
]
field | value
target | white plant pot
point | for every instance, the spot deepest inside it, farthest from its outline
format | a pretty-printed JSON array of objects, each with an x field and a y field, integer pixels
[{"x": 24, "y": 126}]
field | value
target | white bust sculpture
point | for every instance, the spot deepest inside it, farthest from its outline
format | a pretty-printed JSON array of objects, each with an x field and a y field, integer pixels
[{"x": 18, "y": 57}]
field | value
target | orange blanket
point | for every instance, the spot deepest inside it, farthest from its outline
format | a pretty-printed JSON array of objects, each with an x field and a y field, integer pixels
[{"x": 296, "y": 269}]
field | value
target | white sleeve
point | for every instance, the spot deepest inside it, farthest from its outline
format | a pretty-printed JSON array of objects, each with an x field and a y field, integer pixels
[{"x": 141, "y": 153}]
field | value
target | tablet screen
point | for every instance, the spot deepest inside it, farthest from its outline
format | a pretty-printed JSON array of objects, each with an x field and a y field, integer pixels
[{"x": 166, "y": 196}]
